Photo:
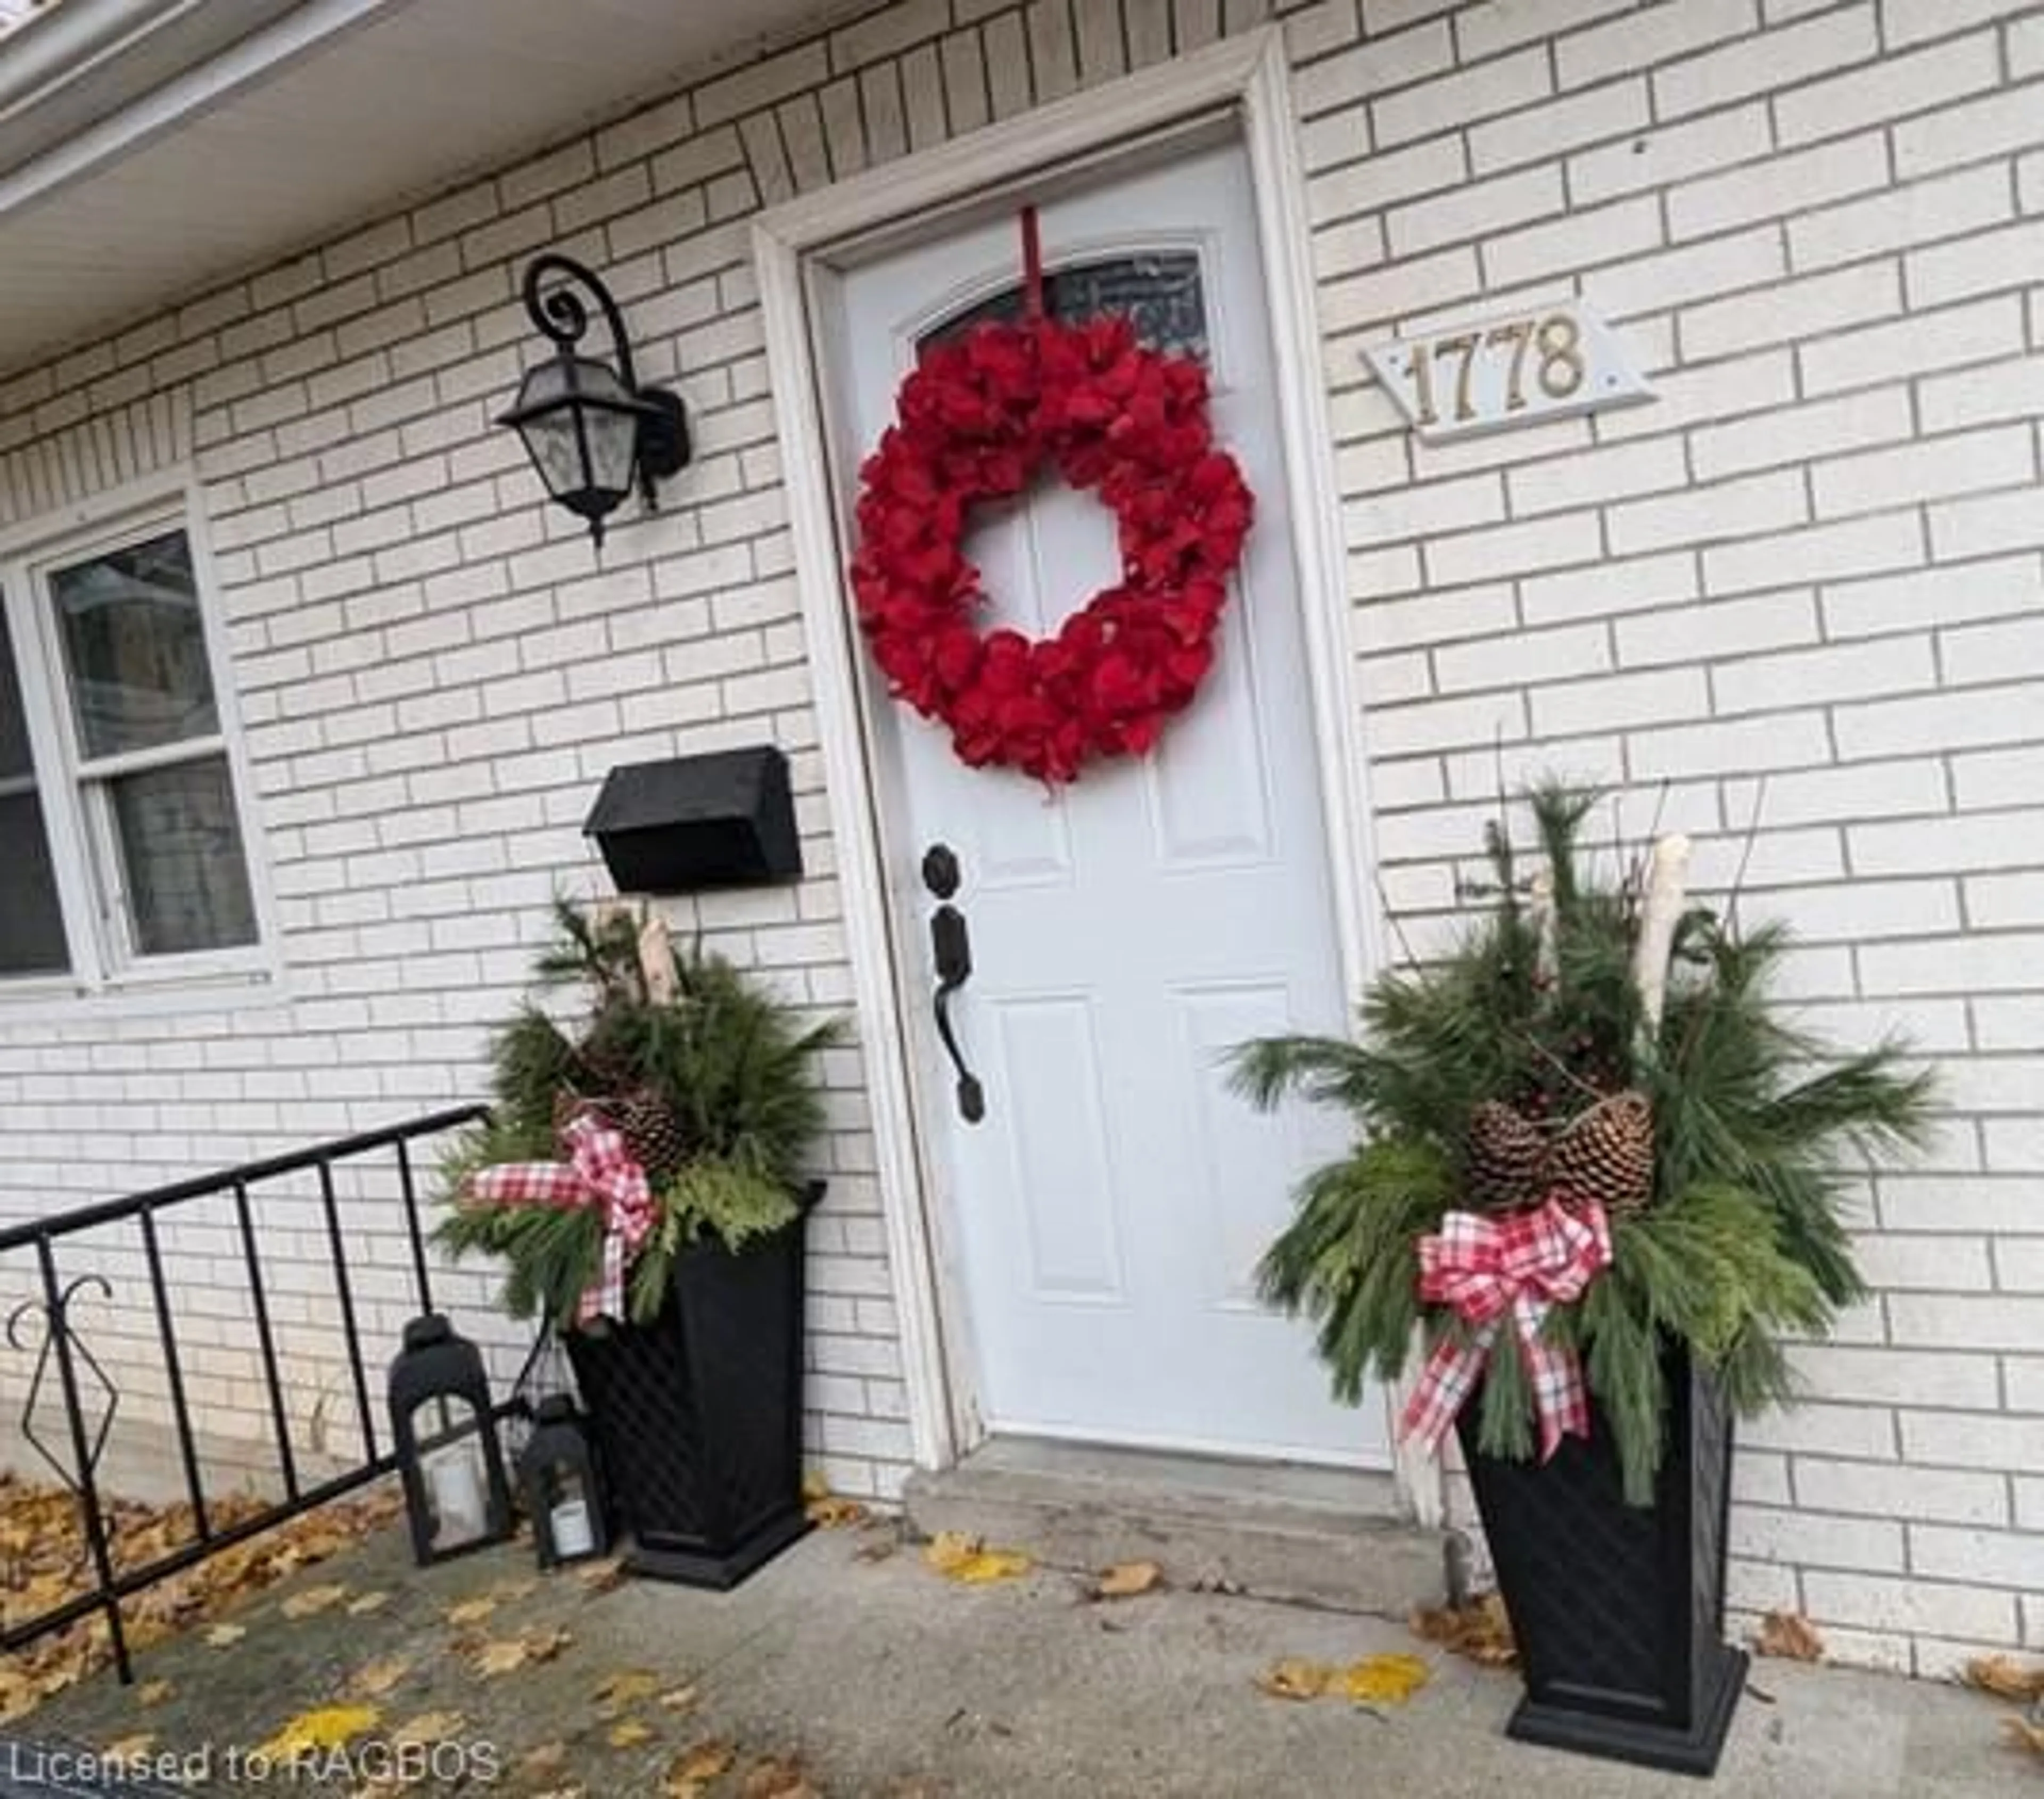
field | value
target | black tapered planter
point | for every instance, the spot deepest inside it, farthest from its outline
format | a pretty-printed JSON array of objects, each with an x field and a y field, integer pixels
[
  {"x": 1618, "y": 1610},
  {"x": 698, "y": 1415}
]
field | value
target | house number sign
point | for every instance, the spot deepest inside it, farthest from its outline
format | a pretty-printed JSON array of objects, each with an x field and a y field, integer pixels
[{"x": 1549, "y": 362}]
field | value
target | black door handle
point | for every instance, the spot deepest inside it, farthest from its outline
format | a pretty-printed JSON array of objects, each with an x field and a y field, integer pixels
[{"x": 950, "y": 946}]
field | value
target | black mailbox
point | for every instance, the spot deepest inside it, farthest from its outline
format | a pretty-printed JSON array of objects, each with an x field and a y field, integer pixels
[{"x": 715, "y": 820}]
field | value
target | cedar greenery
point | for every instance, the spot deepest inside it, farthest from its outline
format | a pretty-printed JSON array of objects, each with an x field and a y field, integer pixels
[
  {"x": 1758, "y": 1129},
  {"x": 726, "y": 1057}
]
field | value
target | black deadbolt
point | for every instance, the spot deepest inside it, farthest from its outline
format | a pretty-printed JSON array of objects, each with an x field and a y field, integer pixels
[{"x": 940, "y": 870}]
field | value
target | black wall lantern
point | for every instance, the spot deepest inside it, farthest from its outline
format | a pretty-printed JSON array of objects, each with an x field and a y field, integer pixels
[
  {"x": 457, "y": 1495},
  {"x": 592, "y": 431},
  {"x": 557, "y": 1479}
]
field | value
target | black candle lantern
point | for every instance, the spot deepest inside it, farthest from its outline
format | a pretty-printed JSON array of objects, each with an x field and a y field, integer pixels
[
  {"x": 457, "y": 1495},
  {"x": 558, "y": 1480}
]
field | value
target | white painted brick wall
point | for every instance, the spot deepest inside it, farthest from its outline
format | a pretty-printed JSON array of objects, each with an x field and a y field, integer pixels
[
  {"x": 1829, "y": 518},
  {"x": 1800, "y": 588}
]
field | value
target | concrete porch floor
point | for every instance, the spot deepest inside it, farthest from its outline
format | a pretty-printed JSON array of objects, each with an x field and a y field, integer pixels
[
  {"x": 888, "y": 1682},
  {"x": 1324, "y": 1536}
]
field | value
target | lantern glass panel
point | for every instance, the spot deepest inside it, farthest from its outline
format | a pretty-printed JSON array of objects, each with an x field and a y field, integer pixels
[
  {"x": 571, "y": 1509},
  {"x": 612, "y": 429},
  {"x": 454, "y": 1475},
  {"x": 545, "y": 415},
  {"x": 581, "y": 427}
]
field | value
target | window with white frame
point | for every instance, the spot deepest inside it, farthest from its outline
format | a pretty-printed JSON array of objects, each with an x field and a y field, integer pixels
[{"x": 122, "y": 854}]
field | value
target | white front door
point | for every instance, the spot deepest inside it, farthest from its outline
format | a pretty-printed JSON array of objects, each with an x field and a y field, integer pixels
[{"x": 1106, "y": 1215}]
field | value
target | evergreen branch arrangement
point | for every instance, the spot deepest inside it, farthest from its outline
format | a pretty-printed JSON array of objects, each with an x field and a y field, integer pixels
[
  {"x": 711, "y": 1081},
  {"x": 1473, "y": 1071}
]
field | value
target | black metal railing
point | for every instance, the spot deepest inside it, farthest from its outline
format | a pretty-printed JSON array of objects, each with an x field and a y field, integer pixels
[{"x": 90, "y": 1396}]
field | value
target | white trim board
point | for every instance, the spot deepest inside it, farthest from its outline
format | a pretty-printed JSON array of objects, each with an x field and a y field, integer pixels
[{"x": 1245, "y": 76}]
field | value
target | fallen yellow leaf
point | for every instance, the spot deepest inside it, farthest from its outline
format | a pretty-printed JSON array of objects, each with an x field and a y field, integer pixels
[
  {"x": 626, "y": 1686},
  {"x": 777, "y": 1776},
  {"x": 153, "y": 1692},
  {"x": 471, "y": 1611},
  {"x": 1480, "y": 1631},
  {"x": 133, "y": 1748},
  {"x": 1294, "y": 1678},
  {"x": 678, "y": 1698},
  {"x": 831, "y": 1513},
  {"x": 376, "y": 1679},
  {"x": 363, "y": 1603},
  {"x": 2005, "y": 1677},
  {"x": 505, "y": 1655},
  {"x": 544, "y": 1644},
  {"x": 1125, "y": 1579},
  {"x": 429, "y": 1728},
  {"x": 325, "y": 1726},
  {"x": 225, "y": 1636},
  {"x": 1789, "y": 1635},
  {"x": 693, "y": 1769},
  {"x": 312, "y": 1601},
  {"x": 1384, "y": 1680},
  {"x": 963, "y": 1559},
  {"x": 628, "y": 1733},
  {"x": 814, "y": 1486},
  {"x": 601, "y": 1577},
  {"x": 543, "y": 1759},
  {"x": 2024, "y": 1735},
  {"x": 991, "y": 1565}
]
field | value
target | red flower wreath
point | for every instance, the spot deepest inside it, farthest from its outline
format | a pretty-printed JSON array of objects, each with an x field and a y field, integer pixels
[{"x": 975, "y": 419}]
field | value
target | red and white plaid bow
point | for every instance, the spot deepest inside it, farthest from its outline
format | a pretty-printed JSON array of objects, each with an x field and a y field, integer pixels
[
  {"x": 600, "y": 1172},
  {"x": 1526, "y": 1264}
]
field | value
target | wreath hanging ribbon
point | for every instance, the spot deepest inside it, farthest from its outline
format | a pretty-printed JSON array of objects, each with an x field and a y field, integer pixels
[
  {"x": 1524, "y": 1264},
  {"x": 600, "y": 1173},
  {"x": 977, "y": 419}
]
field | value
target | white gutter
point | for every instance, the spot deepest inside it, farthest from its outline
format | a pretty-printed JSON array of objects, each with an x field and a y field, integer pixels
[
  {"x": 78, "y": 64},
  {"x": 58, "y": 42}
]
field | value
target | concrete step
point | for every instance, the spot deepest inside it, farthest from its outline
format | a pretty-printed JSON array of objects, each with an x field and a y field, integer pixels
[{"x": 1322, "y": 1536}]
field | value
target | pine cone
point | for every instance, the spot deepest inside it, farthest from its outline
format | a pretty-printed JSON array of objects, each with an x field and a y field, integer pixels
[
  {"x": 652, "y": 1132},
  {"x": 1501, "y": 1158},
  {"x": 1607, "y": 1153}
]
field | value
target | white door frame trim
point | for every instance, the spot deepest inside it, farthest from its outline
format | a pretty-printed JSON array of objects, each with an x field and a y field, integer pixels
[{"x": 1248, "y": 74}]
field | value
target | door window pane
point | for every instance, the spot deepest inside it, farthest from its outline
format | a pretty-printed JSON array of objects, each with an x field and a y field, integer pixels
[
  {"x": 31, "y": 939},
  {"x": 135, "y": 648},
  {"x": 181, "y": 847},
  {"x": 1160, "y": 295}
]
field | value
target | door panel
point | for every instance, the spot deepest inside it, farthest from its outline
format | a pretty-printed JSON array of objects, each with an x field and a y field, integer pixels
[
  {"x": 1238, "y": 1148},
  {"x": 1107, "y": 1213},
  {"x": 1058, "y": 1136},
  {"x": 1210, "y": 799}
]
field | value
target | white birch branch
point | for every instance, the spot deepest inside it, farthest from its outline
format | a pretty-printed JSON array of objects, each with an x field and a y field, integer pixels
[
  {"x": 1540, "y": 903},
  {"x": 656, "y": 960},
  {"x": 1667, "y": 892}
]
